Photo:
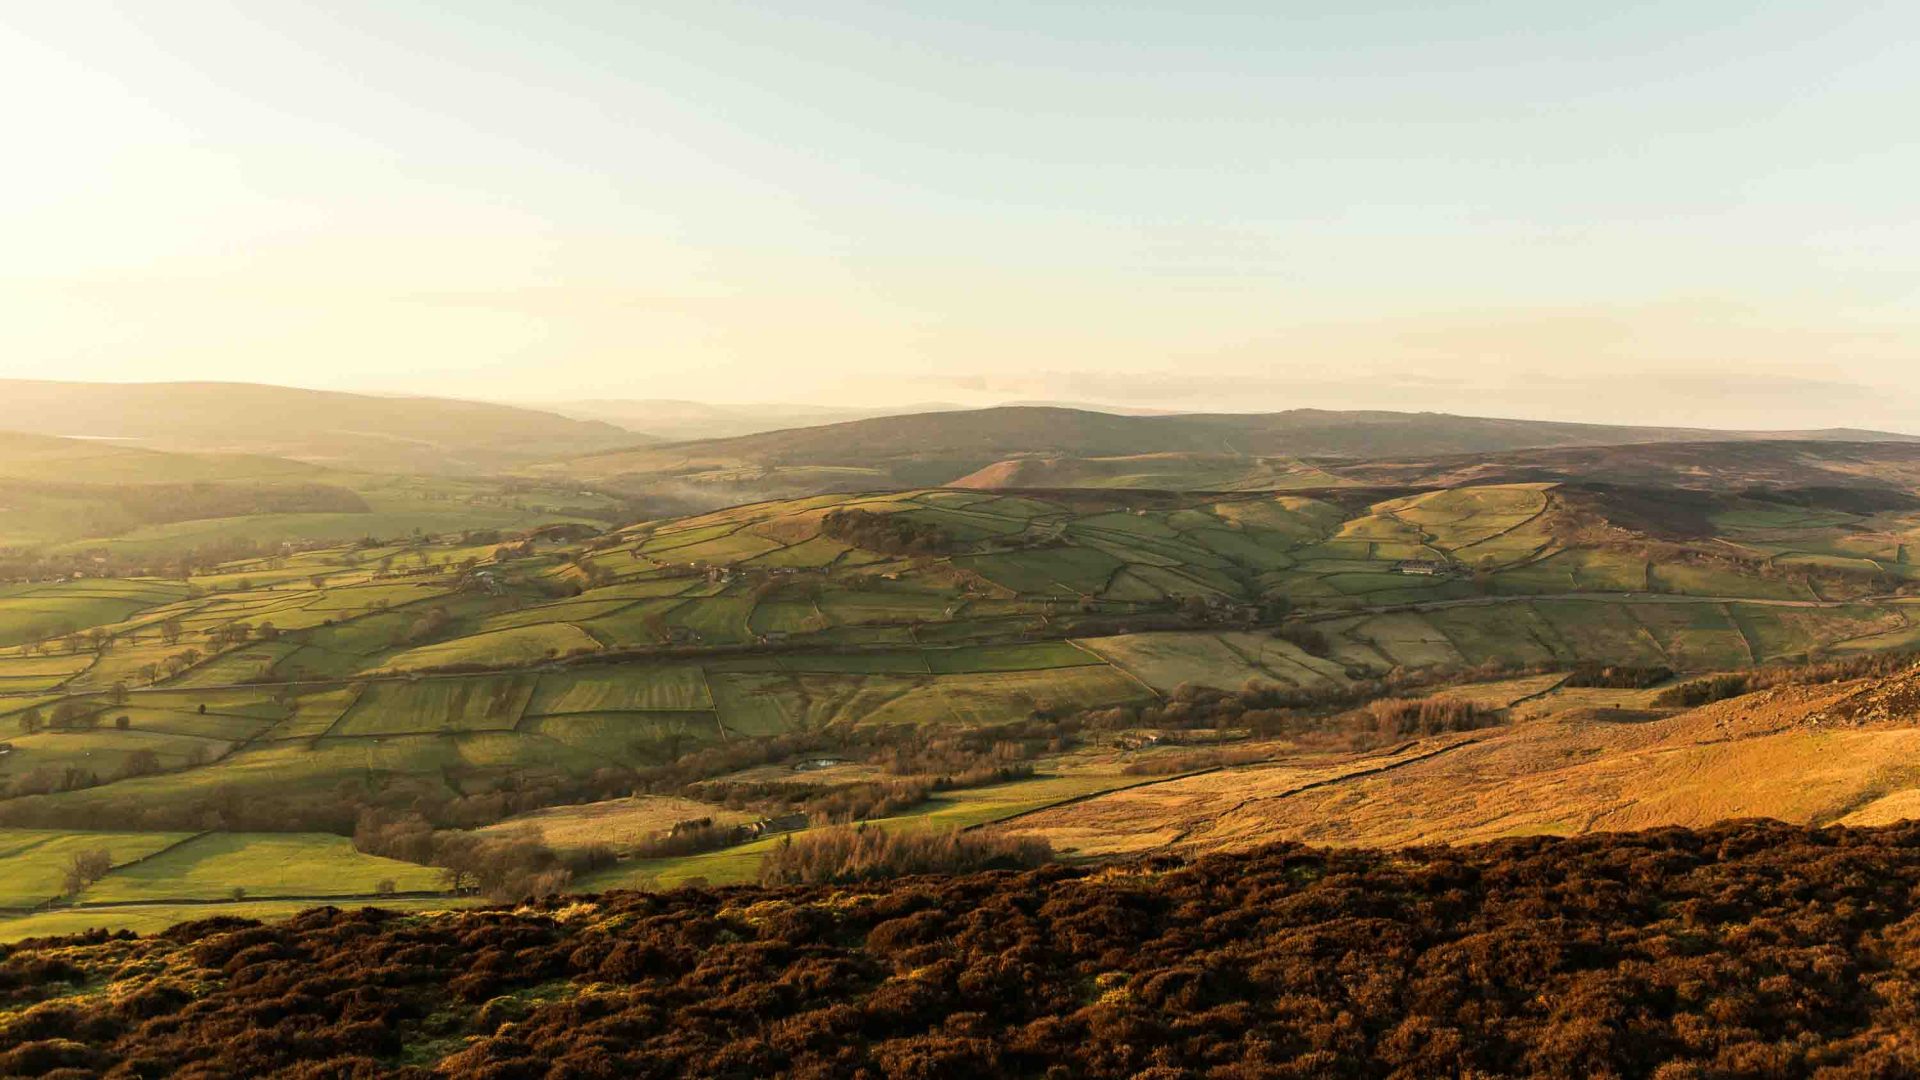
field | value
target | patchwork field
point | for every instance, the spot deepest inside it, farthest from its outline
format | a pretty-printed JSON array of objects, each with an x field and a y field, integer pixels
[{"x": 503, "y": 671}]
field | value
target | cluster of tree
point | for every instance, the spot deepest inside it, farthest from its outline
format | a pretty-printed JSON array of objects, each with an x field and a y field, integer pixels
[
  {"x": 1426, "y": 716},
  {"x": 50, "y": 780},
  {"x": 894, "y": 534},
  {"x": 1697, "y": 692},
  {"x": 84, "y": 868},
  {"x": 1265, "y": 709},
  {"x": 1307, "y": 638},
  {"x": 687, "y": 838},
  {"x": 239, "y": 633},
  {"x": 1186, "y": 761},
  {"x": 1589, "y": 673},
  {"x": 509, "y": 865},
  {"x": 152, "y": 504},
  {"x": 856, "y": 853},
  {"x": 68, "y": 714},
  {"x": 21, "y": 564},
  {"x": 1750, "y": 949},
  {"x": 428, "y": 626},
  {"x": 232, "y": 807}
]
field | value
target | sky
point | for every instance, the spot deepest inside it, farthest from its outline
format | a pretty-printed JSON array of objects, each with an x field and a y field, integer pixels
[{"x": 1700, "y": 213}]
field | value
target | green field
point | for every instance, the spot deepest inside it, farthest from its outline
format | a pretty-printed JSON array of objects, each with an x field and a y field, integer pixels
[
  {"x": 33, "y": 862},
  {"x": 264, "y": 865}
]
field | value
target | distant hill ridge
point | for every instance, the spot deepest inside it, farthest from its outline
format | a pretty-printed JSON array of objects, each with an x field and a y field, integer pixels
[
  {"x": 355, "y": 431},
  {"x": 1040, "y": 429},
  {"x": 946, "y": 447}
]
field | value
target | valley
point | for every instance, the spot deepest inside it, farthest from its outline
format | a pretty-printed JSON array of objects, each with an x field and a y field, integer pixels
[{"x": 1109, "y": 671}]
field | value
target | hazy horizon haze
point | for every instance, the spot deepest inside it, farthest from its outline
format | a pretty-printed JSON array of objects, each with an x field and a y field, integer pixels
[{"x": 1696, "y": 216}]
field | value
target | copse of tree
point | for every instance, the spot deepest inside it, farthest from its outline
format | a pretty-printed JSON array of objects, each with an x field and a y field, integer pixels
[
  {"x": 893, "y": 534},
  {"x": 1697, "y": 692},
  {"x": 1305, "y": 637},
  {"x": 1588, "y": 673},
  {"x": 85, "y": 868},
  {"x": 509, "y": 866},
  {"x": 686, "y": 838},
  {"x": 1426, "y": 716},
  {"x": 863, "y": 853},
  {"x": 142, "y": 762}
]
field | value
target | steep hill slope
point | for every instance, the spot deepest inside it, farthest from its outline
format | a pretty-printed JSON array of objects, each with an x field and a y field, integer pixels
[{"x": 346, "y": 430}]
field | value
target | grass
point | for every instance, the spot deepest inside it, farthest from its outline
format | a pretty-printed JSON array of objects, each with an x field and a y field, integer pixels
[
  {"x": 1164, "y": 661},
  {"x": 1057, "y": 571},
  {"x": 33, "y": 862},
  {"x": 499, "y": 648},
  {"x": 265, "y": 865},
  {"x": 755, "y": 703},
  {"x": 438, "y": 705},
  {"x": 1035, "y": 656},
  {"x": 622, "y": 689},
  {"x": 1409, "y": 640},
  {"x": 620, "y": 736}
]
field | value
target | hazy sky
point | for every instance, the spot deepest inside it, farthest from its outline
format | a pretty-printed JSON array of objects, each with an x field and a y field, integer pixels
[{"x": 1696, "y": 212}]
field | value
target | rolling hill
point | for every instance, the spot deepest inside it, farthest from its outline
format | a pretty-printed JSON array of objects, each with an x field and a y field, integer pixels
[
  {"x": 66, "y": 499},
  {"x": 677, "y": 421},
  {"x": 1815, "y": 460},
  {"x": 944, "y": 447},
  {"x": 351, "y": 431},
  {"x": 1720, "y": 465}
]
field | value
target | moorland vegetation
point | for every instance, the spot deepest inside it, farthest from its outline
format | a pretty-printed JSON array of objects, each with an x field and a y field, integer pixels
[{"x": 1749, "y": 949}]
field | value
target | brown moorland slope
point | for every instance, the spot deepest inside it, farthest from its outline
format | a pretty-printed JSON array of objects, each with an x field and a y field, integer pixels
[
  {"x": 1750, "y": 949},
  {"x": 1807, "y": 754}
]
